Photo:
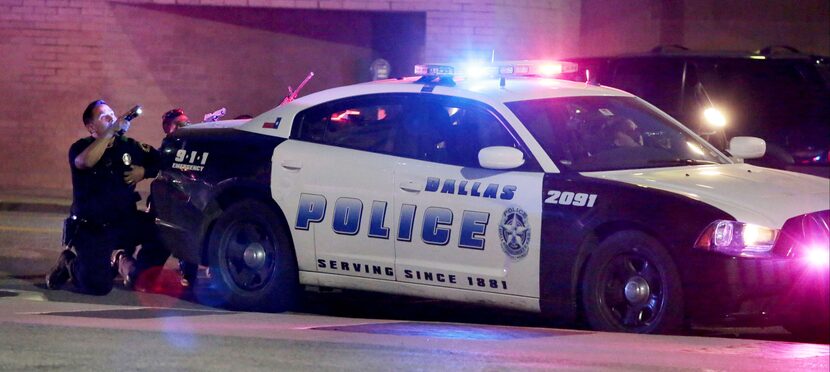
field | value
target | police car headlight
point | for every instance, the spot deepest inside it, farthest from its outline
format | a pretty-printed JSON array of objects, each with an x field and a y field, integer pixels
[{"x": 737, "y": 238}]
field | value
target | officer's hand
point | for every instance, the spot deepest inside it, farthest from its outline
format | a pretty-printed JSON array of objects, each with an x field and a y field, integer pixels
[
  {"x": 115, "y": 127},
  {"x": 135, "y": 174},
  {"x": 124, "y": 125}
]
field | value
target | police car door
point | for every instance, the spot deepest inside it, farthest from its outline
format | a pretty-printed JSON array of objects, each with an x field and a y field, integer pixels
[
  {"x": 338, "y": 180},
  {"x": 460, "y": 225}
]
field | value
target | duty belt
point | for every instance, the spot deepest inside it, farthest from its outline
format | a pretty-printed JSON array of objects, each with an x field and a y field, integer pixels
[{"x": 89, "y": 223}]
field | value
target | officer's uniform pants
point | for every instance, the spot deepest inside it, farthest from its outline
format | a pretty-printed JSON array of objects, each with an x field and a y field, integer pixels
[{"x": 92, "y": 270}]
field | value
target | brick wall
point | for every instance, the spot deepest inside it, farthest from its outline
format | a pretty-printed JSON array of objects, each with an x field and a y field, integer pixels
[{"x": 58, "y": 55}]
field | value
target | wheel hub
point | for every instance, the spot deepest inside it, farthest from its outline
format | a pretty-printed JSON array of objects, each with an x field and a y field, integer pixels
[
  {"x": 254, "y": 256},
  {"x": 636, "y": 290}
]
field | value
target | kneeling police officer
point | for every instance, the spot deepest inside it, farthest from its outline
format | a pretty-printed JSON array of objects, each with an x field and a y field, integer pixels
[{"x": 105, "y": 226}]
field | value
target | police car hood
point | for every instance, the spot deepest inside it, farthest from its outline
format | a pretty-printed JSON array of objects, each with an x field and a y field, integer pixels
[{"x": 762, "y": 196}]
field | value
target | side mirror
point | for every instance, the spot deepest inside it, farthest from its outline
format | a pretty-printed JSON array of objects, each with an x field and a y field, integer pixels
[
  {"x": 500, "y": 157},
  {"x": 747, "y": 147}
]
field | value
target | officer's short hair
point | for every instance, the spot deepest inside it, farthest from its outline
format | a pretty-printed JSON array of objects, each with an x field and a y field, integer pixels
[{"x": 91, "y": 107}]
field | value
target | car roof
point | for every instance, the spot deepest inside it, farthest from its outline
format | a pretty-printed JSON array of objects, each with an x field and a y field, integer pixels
[{"x": 488, "y": 91}]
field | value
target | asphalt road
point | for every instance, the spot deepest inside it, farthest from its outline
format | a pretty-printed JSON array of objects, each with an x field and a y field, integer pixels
[{"x": 171, "y": 329}]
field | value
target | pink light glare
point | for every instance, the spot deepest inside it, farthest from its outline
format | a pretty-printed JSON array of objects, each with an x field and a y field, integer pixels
[
  {"x": 551, "y": 69},
  {"x": 817, "y": 256}
]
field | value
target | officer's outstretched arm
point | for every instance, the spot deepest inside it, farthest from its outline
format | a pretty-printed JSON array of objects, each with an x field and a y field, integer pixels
[{"x": 92, "y": 153}]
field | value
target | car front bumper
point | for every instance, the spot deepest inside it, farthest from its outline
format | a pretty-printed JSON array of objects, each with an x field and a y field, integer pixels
[
  {"x": 747, "y": 291},
  {"x": 791, "y": 287}
]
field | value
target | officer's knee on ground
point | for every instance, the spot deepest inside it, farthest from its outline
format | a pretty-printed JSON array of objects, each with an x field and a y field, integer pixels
[
  {"x": 98, "y": 289},
  {"x": 95, "y": 285},
  {"x": 93, "y": 277}
]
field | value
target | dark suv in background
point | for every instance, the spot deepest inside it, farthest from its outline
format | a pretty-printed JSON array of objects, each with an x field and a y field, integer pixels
[{"x": 776, "y": 93}]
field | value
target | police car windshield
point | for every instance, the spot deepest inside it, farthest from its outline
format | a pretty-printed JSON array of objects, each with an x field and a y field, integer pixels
[{"x": 610, "y": 133}]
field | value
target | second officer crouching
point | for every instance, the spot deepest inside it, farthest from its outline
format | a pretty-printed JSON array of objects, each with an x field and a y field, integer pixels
[{"x": 105, "y": 226}]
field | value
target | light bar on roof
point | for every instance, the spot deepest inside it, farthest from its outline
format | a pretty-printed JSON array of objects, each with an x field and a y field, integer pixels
[
  {"x": 542, "y": 68},
  {"x": 434, "y": 70},
  {"x": 539, "y": 67},
  {"x": 478, "y": 70}
]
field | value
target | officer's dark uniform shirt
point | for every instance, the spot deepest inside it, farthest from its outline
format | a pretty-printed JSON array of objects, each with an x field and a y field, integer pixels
[{"x": 100, "y": 194}]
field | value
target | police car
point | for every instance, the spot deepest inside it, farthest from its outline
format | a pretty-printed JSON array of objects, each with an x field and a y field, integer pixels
[{"x": 497, "y": 185}]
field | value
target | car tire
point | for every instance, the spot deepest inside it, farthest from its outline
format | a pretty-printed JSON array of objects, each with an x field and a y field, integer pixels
[
  {"x": 252, "y": 260},
  {"x": 631, "y": 284}
]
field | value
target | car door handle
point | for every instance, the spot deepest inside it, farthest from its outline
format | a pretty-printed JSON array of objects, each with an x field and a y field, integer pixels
[
  {"x": 291, "y": 164},
  {"x": 412, "y": 186}
]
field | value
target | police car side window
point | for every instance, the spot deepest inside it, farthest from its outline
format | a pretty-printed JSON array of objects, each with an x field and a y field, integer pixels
[
  {"x": 472, "y": 129},
  {"x": 362, "y": 123},
  {"x": 450, "y": 131}
]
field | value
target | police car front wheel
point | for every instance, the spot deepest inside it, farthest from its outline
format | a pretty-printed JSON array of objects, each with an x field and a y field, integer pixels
[
  {"x": 631, "y": 285},
  {"x": 253, "y": 259}
]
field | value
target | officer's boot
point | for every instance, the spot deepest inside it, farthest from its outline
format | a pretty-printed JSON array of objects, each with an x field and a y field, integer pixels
[
  {"x": 124, "y": 265},
  {"x": 60, "y": 274},
  {"x": 189, "y": 274}
]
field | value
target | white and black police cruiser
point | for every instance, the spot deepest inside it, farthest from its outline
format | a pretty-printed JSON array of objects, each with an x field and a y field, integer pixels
[{"x": 503, "y": 186}]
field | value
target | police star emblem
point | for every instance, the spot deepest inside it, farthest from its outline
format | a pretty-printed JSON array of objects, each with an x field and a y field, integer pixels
[
  {"x": 127, "y": 159},
  {"x": 514, "y": 231}
]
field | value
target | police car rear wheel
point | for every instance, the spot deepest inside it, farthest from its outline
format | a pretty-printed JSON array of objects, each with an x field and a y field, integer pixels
[
  {"x": 631, "y": 285},
  {"x": 252, "y": 259}
]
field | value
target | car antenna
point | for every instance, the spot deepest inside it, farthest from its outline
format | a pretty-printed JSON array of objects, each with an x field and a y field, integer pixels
[
  {"x": 502, "y": 80},
  {"x": 590, "y": 80},
  {"x": 292, "y": 93}
]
